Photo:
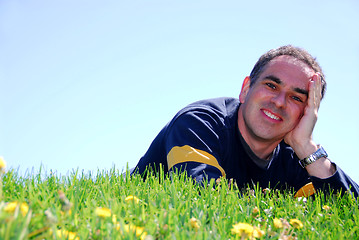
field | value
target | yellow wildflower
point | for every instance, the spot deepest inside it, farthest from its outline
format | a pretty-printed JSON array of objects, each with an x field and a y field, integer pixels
[
  {"x": 103, "y": 212},
  {"x": 245, "y": 230},
  {"x": 194, "y": 223},
  {"x": 242, "y": 229},
  {"x": 326, "y": 207},
  {"x": 67, "y": 234},
  {"x": 257, "y": 233},
  {"x": 277, "y": 223},
  {"x": 10, "y": 207},
  {"x": 2, "y": 164},
  {"x": 132, "y": 199},
  {"x": 139, "y": 231},
  {"x": 114, "y": 219},
  {"x": 69, "y": 212},
  {"x": 296, "y": 223}
]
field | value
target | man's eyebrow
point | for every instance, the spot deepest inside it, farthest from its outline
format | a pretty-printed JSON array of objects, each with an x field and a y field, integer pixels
[
  {"x": 278, "y": 81},
  {"x": 301, "y": 91},
  {"x": 274, "y": 79}
]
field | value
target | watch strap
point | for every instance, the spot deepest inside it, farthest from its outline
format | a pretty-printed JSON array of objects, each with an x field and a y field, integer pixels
[{"x": 313, "y": 157}]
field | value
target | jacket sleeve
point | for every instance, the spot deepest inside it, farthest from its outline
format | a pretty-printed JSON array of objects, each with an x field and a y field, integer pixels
[
  {"x": 306, "y": 185},
  {"x": 338, "y": 182},
  {"x": 193, "y": 145}
]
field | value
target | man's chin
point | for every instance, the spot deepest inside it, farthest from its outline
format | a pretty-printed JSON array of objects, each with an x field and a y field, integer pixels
[{"x": 270, "y": 137}]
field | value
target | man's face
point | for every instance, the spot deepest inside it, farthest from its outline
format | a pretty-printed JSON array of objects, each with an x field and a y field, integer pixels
[{"x": 275, "y": 103}]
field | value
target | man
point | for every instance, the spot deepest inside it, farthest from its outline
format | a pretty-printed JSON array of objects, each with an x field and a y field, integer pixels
[{"x": 264, "y": 137}]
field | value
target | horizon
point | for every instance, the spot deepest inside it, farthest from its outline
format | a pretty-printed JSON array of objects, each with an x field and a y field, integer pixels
[{"x": 88, "y": 85}]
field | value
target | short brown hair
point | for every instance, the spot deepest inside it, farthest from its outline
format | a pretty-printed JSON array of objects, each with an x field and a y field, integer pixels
[{"x": 288, "y": 50}]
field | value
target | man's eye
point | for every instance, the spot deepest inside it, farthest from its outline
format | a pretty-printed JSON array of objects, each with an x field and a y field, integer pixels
[
  {"x": 271, "y": 85},
  {"x": 297, "y": 99}
]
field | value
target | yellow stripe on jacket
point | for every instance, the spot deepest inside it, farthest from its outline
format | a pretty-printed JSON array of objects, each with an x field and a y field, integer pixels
[
  {"x": 305, "y": 191},
  {"x": 189, "y": 154}
]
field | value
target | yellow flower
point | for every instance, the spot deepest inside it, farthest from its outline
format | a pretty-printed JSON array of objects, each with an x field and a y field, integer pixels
[
  {"x": 194, "y": 223},
  {"x": 69, "y": 212},
  {"x": 242, "y": 229},
  {"x": 277, "y": 223},
  {"x": 326, "y": 207},
  {"x": 132, "y": 199},
  {"x": 245, "y": 230},
  {"x": 11, "y": 206},
  {"x": 103, "y": 212},
  {"x": 114, "y": 219},
  {"x": 139, "y": 231},
  {"x": 257, "y": 233},
  {"x": 296, "y": 223},
  {"x": 2, "y": 164},
  {"x": 66, "y": 234}
]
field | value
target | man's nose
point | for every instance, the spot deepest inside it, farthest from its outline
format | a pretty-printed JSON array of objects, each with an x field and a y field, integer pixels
[{"x": 280, "y": 100}]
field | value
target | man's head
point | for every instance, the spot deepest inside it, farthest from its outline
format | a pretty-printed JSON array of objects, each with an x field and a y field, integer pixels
[
  {"x": 288, "y": 50},
  {"x": 274, "y": 102}
]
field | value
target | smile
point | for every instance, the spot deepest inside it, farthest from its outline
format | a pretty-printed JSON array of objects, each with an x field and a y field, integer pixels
[{"x": 270, "y": 115}]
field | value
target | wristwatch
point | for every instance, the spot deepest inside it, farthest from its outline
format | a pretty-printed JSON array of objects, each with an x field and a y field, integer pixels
[{"x": 313, "y": 157}]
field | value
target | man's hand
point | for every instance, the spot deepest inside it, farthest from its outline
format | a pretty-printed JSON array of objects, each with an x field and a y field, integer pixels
[{"x": 300, "y": 138}]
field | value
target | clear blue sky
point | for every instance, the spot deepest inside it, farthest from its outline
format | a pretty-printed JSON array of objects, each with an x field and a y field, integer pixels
[{"x": 89, "y": 84}]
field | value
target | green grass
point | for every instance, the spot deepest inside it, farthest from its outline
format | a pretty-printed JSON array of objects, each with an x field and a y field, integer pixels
[{"x": 165, "y": 209}]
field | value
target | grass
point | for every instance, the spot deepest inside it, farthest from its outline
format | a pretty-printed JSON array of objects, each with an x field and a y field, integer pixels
[{"x": 87, "y": 206}]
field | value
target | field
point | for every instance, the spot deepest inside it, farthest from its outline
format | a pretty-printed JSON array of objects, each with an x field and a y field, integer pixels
[{"x": 107, "y": 205}]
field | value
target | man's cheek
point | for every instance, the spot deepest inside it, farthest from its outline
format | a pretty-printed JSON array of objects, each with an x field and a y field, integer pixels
[
  {"x": 297, "y": 121},
  {"x": 301, "y": 112}
]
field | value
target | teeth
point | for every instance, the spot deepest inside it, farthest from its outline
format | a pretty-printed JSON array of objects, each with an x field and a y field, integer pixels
[{"x": 271, "y": 115}]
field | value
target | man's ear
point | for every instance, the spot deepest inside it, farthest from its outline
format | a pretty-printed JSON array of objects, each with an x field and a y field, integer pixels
[{"x": 245, "y": 88}]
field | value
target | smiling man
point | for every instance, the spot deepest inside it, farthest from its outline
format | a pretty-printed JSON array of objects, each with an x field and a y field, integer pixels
[{"x": 263, "y": 138}]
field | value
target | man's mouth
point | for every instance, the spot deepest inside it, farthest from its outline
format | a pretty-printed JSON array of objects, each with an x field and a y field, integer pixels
[{"x": 271, "y": 115}]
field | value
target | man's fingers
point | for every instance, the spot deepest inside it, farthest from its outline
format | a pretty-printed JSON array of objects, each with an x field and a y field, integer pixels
[{"x": 315, "y": 90}]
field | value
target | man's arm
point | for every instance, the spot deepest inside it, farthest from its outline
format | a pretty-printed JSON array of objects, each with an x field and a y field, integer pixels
[
  {"x": 300, "y": 138},
  {"x": 324, "y": 174},
  {"x": 193, "y": 145}
]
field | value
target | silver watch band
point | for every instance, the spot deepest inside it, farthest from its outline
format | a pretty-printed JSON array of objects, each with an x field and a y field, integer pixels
[{"x": 313, "y": 157}]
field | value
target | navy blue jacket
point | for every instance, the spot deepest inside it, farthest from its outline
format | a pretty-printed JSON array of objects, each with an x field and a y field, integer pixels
[{"x": 204, "y": 140}]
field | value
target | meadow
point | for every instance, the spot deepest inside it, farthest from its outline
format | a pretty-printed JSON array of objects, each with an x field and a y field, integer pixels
[{"x": 107, "y": 205}]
